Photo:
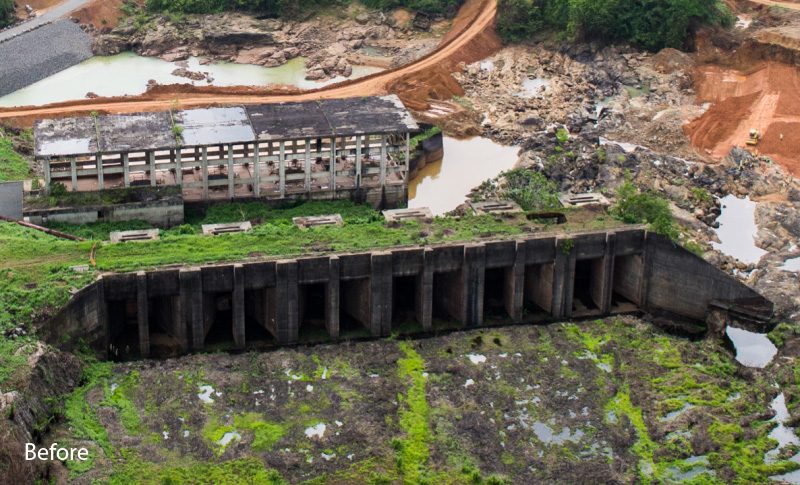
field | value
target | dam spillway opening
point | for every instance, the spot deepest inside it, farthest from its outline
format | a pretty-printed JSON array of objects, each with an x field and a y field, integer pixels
[{"x": 405, "y": 290}]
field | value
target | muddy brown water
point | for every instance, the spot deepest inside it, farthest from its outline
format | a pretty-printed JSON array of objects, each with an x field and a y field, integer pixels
[{"x": 444, "y": 185}]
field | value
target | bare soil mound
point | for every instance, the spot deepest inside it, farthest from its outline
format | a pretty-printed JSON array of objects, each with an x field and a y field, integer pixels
[{"x": 766, "y": 99}]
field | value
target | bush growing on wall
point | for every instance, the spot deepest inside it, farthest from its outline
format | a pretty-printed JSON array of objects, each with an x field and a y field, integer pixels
[{"x": 636, "y": 207}]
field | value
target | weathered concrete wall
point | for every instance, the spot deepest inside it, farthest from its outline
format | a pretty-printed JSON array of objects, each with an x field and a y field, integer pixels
[
  {"x": 82, "y": 319},
  {"x": 163, "y": 213},
  {"x": 642, "y": 267},
  {"x": 683, "y": 283}
]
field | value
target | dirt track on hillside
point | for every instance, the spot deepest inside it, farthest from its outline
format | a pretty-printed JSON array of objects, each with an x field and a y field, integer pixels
[
  {"x": 471, "y": 38},
  {"x": 766, "y": 99}
]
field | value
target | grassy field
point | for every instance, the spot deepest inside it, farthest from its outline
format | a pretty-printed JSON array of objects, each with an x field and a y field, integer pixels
[{"x": 13, "y": 166}]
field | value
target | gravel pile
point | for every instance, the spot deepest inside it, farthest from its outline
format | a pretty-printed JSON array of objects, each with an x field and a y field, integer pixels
[{"x": 40, "y": 53}]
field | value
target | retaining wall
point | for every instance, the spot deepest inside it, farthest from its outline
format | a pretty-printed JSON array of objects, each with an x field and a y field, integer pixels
[{"x": 543, "y": 277}]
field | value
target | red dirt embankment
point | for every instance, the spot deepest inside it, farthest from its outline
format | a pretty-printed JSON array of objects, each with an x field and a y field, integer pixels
[
  {"x": 766, "y": 98},
  {"x": 472, "y": 38}
]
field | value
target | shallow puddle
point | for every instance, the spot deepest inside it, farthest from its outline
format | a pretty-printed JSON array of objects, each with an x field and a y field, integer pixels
[
  {"x": 534, "y": 88},
  {"x": 443, "y": 185},
  {"x": 128, "y": 73},
  {"x": 737, "y": 230},
  {"x": 205, "y": 394},
  {"x": 228, "y": 437},
  {"x": 792, "y": 264},
  {"x": 752, "y": 349}
]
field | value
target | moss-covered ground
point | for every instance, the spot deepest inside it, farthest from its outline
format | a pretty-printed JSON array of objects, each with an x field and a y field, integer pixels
[{"x": 607, "y": 401}]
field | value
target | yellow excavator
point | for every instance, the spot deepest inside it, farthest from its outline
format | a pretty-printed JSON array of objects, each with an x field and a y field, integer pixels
[{"x": 755, "y": 136}]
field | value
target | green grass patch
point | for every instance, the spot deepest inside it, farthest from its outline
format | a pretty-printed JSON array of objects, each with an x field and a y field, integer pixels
[
  {"x": 13, "y": 166},
  {"x": 265, "y": 433},
  {"x": 244, "y": 471},
  {"x": 413, "y": 450},
  {"x": 644, "y": 446},
  {"x": 120, "y": 399}
]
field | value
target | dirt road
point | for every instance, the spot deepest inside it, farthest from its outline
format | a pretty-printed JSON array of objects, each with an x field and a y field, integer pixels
[
  {"x": 49, "y": 15},
  {"x": 470, "y": 38}
]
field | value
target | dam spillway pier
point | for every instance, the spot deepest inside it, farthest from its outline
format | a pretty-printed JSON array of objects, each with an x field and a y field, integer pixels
[{"x": 541, "y": 278}]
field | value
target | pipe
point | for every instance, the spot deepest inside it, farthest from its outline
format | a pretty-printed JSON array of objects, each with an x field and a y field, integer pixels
[{"x": 45, "y": 230}]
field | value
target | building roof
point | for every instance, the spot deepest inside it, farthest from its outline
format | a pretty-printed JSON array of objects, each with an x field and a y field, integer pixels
[
  {"x": 288, "y": 121},
  {"x": 358, "y": 116},
  {"x": 65, "y": 137},
  {"x": 134, "y": 132},
  {"x": 214, "y": 126}
]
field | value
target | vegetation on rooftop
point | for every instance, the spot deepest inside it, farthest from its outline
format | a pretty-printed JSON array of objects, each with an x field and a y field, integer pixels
[
  {"x": 652, "y": 24},
  {"x": 532, "y": 190}
]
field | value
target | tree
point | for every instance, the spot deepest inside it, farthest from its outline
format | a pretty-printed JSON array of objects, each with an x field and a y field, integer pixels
[{"x": 6, "y": 12}]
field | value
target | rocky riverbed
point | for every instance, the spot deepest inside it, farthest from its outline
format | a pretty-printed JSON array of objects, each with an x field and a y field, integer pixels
[
  {"x": 624, "y": 113},
  {"x": 332, "y": 43}
]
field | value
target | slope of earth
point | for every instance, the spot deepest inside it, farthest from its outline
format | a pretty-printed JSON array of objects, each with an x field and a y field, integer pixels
[
  {"x": 766, "y": 99},
  {"x": 613, "y": 401}
]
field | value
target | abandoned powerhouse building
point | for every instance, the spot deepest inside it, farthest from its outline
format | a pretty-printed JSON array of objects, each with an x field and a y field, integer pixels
[{"x": 320, "y": 149}]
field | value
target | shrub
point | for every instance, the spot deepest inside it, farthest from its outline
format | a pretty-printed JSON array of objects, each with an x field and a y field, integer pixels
[
  {"x": 636, "y": 207},
  {"x": 530, "y": 189}
]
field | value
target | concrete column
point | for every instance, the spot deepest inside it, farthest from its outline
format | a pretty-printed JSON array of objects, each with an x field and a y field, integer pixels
[
  {"x": 142, "y": 314},
  {"x": 515, "y": 284},
  {"x": 231, "y": 174},
  {"x": 380, "y": 291},
  {"x": 424, "y": 289},
  {"x": 178, "y": 167},
  {"x": 98, "y": 160},
  {"x": 282, "y": 168},
  {"x": 178, "y": 323},
  {"x": 256, "y": 170},
  {"x": 73, "y": 171},
  {"x": 332, "y": 298},
  {"x": 333, "y": 164},
  {"x": 237, "y": 304},
  {"x": 151, "y": 159},
  {"x": 204, "y": 166},
  {"x": 358, "y": 161},
  {"x": 563, "y": 278},
  {"x": 126, "y": 169},
  {"x": 287, "y": 323},
  {"x": 605, "y": 292},
  {"x": 308, "y": 165},
  {"x": 191, "y": 290},
  {"x": 383, "y": 160},
  {"x": 473, "y": 271},
  {"x": 46, "y": 168},
  {"x": 408, "y": 155}
]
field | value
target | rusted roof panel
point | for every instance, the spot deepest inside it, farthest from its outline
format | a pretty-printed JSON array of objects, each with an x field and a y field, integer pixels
[
  {"x": 356, "y": 116},
  {"x": 135, "y": 132},
  {"x": 65, "y": 137},
  {"x": 289, "y": 121},
  {"x": 213, "y": 126}
]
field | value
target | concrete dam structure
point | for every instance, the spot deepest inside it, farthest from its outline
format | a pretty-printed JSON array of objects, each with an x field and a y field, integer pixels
[{"x": 541, "y": 278}]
